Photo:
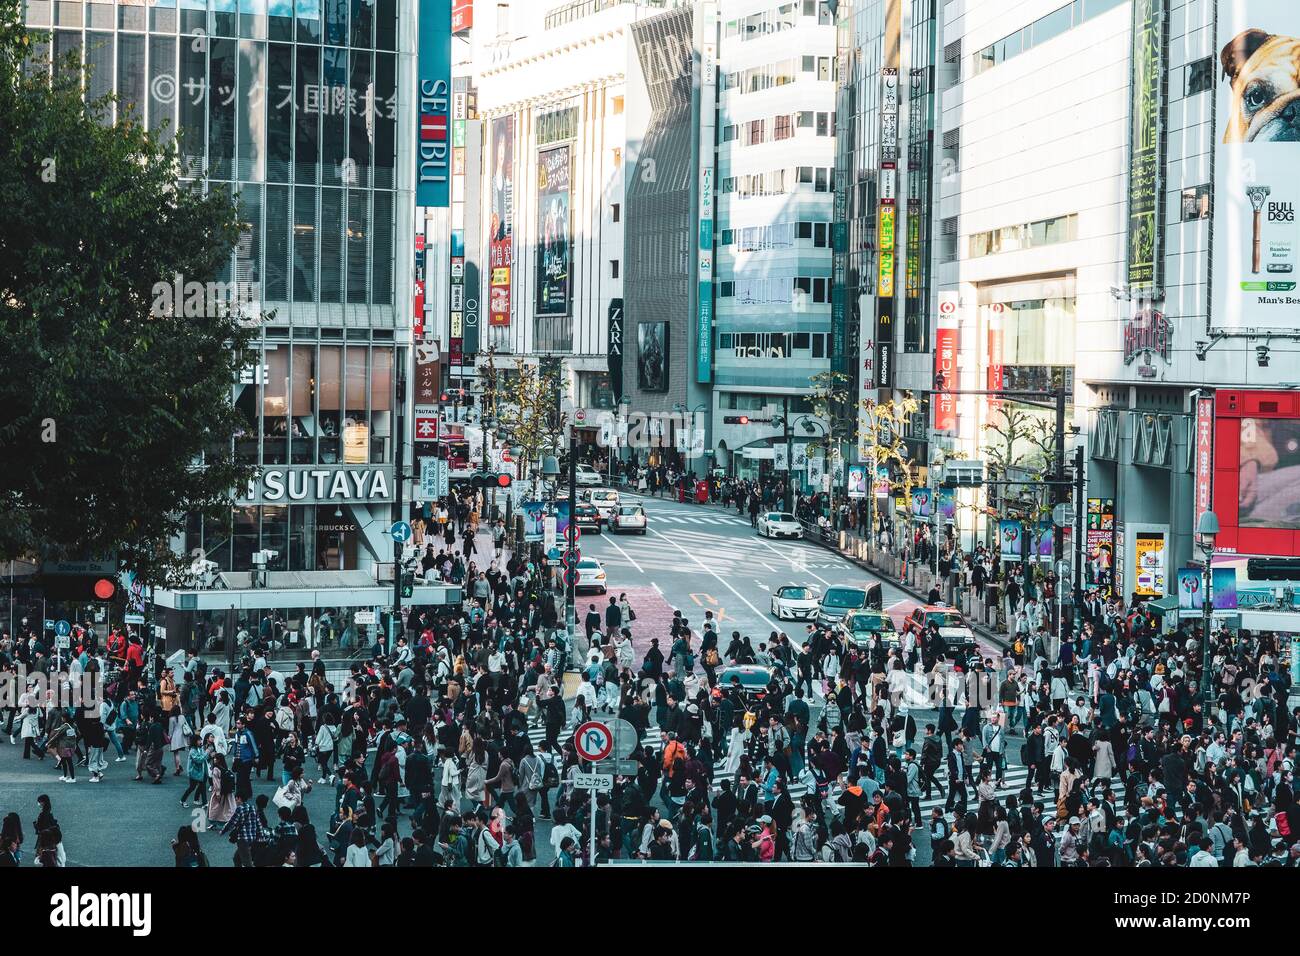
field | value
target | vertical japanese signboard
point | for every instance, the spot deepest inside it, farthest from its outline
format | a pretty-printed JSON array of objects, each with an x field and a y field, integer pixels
[
  {"x": 708, "y": 61},
  {"x": 433, "y": 160},
  {"x": 1146, "y": 135},
  {"x": 945, "y": 364},
  {"x": 1204, "y": 457},
  {"x": 501, "y": 187}
]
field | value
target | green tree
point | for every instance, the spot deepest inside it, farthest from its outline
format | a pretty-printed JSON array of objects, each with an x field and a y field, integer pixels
[
  {"x": 118, "y": 412},
  {"x": 886, "y": 443},
  {"x": 528, "y": 415}
]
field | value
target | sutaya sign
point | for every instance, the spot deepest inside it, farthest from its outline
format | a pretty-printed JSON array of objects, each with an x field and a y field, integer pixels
[{"x": 321, "y": 484}]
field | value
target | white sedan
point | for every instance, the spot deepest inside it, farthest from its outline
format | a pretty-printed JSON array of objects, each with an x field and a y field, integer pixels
[
  {"x": 605, "y": 500},
  {"x": 779, "y": 524},
  {"x": 587, "y": 477},
  {"x": 591, "y": 576},
  {"x": 795, "y": 602},
  {"x": 628, "y": 518}
]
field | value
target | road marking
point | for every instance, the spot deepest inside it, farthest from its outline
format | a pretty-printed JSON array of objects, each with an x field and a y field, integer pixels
[
  {"x": 625, "y": 554},
  {"x": 657, "y": 588},
  {"x": 721, "y": 580},
  {"x": 804, "y": 568},
  {"x": 707, "y": 597}
]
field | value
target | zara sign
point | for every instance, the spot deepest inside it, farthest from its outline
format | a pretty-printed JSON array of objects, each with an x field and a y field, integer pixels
[{"x": 311, "y": 484}]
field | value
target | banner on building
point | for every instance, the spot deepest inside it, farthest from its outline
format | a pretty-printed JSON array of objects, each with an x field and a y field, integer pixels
[
  {"x": 882, "y": 481},
  {"x": 501, "y": 188},
  {"x": 534, "y": 520},
  {"x": 707, "y": 19},
  {"x": 433, "y": 160},
  {"x": 1146, "y": 148},
  {"x": 1149, "y": 559},
  {"x": 857, "y": 481},
  {"x": 945, "y": 369},
  {"x": 554, "y": 224},
  {"x": 1256, "y": 234},
  {"x": 1009, "y": 546},
  {"x": 462, "y": 16},
  {"x": 1100, "y": 544},
  {"x": 948, "y": 504},
  {"x": 1204, "y": 471},
  {"x": 652, "y": 358},
  {"x": 816, "y": 469},
  {"x": 922, "y": 502},
  {"x": 1191, "y": 587},
  {"x": 614, "y": 349}
]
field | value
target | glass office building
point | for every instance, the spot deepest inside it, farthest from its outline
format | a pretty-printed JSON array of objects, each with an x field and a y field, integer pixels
[{"x": 292, "y": 106}]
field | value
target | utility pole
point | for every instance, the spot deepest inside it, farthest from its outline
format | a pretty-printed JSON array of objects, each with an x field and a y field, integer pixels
[
  {"x": 399, "y": 505},
  {"x": 571, "y": 537},
  {"x": 789, "y": 454},
  {"x": 1080, "y": 518}
]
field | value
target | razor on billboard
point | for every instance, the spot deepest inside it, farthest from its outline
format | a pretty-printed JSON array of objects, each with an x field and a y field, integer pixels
[{"x": 1258, "y": 150}]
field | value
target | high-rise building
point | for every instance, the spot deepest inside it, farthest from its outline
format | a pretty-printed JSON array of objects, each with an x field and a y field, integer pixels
[
  {"x": 776, "y": 185},
  {"x": 296, "y": 109}
]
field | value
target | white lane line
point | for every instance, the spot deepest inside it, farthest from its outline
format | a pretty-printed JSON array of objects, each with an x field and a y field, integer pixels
[
  {"x": 804, "y": 568},
  {"x": 620, "y": 550},
  {"x": 657, "y": 588},
  {"x": 721, "y": 580}
]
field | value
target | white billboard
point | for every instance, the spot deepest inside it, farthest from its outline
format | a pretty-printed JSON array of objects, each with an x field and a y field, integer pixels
[{"x": 1256, "y": 236}]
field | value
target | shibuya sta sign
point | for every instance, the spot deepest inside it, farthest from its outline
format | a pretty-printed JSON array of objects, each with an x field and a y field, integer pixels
[{"x": 311, "y": 484}]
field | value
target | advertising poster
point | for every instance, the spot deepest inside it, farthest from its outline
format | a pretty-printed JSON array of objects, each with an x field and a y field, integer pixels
[
  {"x": 922, "y": 502},
  {"x": 1009, "y": 548},
  {"x": 1191, "y": 584},
  {"x": 1043, "y": 541},
  {"x": 561, "y": 518},
  {"x": 1149, "y": 558},
  {"x": 947, "y": 503},
  {"x": 553, "y": 228},
  {"x": 652, "y": 356},
  {"x": 1146, "y": 134},
  {"x": 534, "y": 520},
  {"x": 1100, "y": 543},
  {"x": 501, "y": 226},
  {"x": 882, "y": 481},
  {"x": 1256, "y": 235},
  {"x": 945, "y": 371},
  {"x": 857, "y": 487},
  {"x": 1268, "y": 477},
  {"x": 816, "y": 468}
]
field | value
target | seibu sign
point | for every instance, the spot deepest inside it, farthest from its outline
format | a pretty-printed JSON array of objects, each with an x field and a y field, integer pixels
[{"x": 312, "y": 484}]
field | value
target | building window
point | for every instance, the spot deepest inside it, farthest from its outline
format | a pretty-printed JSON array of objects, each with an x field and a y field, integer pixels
[
  {"x": 618, "y": 157},
  {"x": 1200, "y": 76},
  {"x": 618, "y": 105},
  {"x": 1196, "y": 203},
  {"x": 783, "y": 128},
  {"x": 613, "y": 268},
  {"x": 617, "y": 211},
  {"x": 1029, "y": 235}
]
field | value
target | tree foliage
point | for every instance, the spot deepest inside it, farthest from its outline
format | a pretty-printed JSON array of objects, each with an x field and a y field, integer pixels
[
  {"x": 108, "y": 403},
  {"x": 885, "y": 441},
  {"x": 527, "y": 408}
]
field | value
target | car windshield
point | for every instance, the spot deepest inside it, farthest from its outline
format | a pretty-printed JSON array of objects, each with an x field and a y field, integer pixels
[
  {"x": 589, "y": 565},
  {"x": 945, "y": 619},
  {"x": 845, "y": 597},
  {"x": 870, "y": 622},
  {"x": 780, "y": 516},
  {"x": 630, "y": 510},
  {"x": 604, "y": 495},
  {"x": 799, "y": 594}
]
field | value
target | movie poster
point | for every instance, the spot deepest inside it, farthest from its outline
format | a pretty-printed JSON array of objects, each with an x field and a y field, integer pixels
[
  {"x": 652, "y": 356},
  {"x": 501, "y": 226},
  {"x": 554, "y": 266}
]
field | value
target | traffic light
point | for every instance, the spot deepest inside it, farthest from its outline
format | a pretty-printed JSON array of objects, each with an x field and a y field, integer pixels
[
  {"x": 408, "y": 584},
  {"x": 735, "y": 419},
  {"x": 78, "y": 587},
  {"x": 504, "y": 479}
]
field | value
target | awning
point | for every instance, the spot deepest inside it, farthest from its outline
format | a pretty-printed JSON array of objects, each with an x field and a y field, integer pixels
[
  {"x": 373, "y": 595},
  {"x": 1164, "y": 605}
]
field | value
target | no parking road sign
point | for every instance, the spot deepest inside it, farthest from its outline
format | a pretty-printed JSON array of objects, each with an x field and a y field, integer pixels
[{"x": 593, "y": 740}]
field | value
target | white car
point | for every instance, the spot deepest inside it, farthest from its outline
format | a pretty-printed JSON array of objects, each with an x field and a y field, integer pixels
[
  {"x": 628, "y": 518},
  {"x": 591, "y": 575},
  {"x": 587, "y": 477},
  {"x": 795, "y": 602},
  {"x": 779, "y": 524},
  {"x": 605, "y": 499}
]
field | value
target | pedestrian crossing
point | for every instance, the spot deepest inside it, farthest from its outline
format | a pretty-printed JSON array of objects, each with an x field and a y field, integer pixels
[
  {"x": 1016, "y": 777},
  {"x": 679, "y": 518}
]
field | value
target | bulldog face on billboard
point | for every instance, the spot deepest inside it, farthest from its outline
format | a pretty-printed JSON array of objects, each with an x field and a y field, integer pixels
[{"x": 1264, "y": 70}]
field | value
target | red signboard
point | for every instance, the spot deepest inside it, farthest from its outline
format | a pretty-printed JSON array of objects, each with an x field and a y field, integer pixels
[
  {"x": 428, "y": 375},
  {"x": 995, "y": 373},
  {"x": 426, "y": 428},
  {"x": 1255, "y": 484},
  {"x": 1204, "y": 456},
  {"x": 945, "y": 376},
  {"x": 462, "y": 16},
  {"x": 417, "y": 322}
]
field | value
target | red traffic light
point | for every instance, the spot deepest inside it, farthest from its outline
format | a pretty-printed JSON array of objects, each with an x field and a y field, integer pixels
[
  {"x": 735, "y": 419},
  {"x": 503, "y": 480},
  {"x": 444, "y": 397},
  {"x": 105, "y": 589}
]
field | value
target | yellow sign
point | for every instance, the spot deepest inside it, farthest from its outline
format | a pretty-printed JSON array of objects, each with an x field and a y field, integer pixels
[
  {"x": 501, "y": 275},
  {"x": 885, "y": 252}
]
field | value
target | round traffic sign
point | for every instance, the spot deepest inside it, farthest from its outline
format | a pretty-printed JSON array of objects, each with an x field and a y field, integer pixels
[
  {"x": 593, "y": 740},
  {"x": 573, "y": 532},
  {"x": 571, "y": 557},
  {"x": 580, "y": 415},
  {"x": 401, "y": 531},
  {"x": 62, "y": 628},
  {"x": 571, "y": 576}
]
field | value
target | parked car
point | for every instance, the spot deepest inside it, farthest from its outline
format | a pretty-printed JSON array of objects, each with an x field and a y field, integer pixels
[
  {"x": 587, "y": 477},
  {"x": 605, "y": 500},
  {"x": 858, "y": 627},
  {"x": 591, "y": 576},
  {"x": 843, "y": 598},
  {"x": 630, "y": 518},
  {"x": 587, "y": 517},
  {"x": 779, "y": 524},
  {"x": 956, "y": 634},
  {"x": 795, "y": 602}
]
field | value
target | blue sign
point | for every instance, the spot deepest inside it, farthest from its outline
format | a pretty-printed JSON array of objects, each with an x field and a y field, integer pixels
[
  {"x": 401, "y": 531},
  {"x": 49, "y": 624},
  {"x": 62, "y": 628},
  {"x": 433, "y": 160}
]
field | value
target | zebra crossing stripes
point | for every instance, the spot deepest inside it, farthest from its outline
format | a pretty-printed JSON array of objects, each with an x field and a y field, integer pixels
[
  {"x": 1016, "y": 777},
  {"x": 673, "y": 517}
]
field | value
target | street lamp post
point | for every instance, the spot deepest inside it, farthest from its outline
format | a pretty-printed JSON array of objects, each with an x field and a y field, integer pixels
[{"x": 1207, "y": 529}]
